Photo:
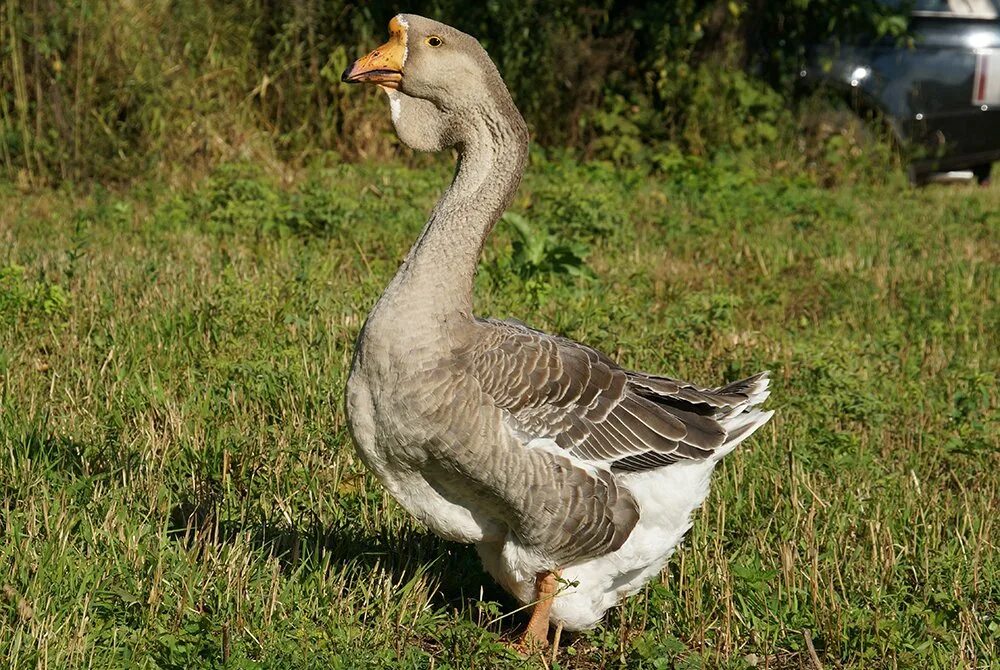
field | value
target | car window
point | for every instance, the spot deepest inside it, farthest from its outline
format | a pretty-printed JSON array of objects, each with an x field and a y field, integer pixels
[{"x": 959, "y": 9}]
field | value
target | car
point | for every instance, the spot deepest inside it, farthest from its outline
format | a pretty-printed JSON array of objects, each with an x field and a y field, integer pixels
[{"x": 938, "y": 93}]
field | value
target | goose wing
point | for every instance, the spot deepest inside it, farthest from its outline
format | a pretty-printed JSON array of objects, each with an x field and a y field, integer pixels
[{"x": 554, "y": 388}]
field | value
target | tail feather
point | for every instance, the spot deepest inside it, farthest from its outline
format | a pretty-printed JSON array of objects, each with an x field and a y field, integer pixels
[
  {"x": 744, "y": 419},
  {"x": 712, "y": 422}
]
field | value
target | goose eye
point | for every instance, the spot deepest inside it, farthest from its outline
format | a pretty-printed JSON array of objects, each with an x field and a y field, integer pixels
[{"x": 434, "y": 41}]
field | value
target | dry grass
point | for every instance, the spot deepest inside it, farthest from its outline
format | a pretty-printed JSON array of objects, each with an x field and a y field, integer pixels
[{"x": 178, "y": 489}]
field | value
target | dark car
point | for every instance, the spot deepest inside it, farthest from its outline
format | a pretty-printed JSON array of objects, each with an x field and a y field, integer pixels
[{"x": 939, "y": 95}]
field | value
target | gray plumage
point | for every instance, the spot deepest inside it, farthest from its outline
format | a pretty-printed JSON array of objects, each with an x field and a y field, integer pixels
[{"x": 489, "y": 431}]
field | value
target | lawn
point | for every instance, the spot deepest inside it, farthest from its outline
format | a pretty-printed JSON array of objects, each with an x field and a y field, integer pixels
[{"x": 178, "y": 488}]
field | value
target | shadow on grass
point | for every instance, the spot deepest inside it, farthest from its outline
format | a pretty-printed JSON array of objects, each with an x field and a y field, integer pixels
[{"x": 307, "y": 546}]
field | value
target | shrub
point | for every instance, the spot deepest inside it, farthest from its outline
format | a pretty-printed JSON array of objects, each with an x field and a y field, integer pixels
[{"x": 108, "y": 90}]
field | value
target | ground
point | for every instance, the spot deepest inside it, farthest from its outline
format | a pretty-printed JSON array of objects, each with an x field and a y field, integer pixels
[{"x": 178, "y": 488}]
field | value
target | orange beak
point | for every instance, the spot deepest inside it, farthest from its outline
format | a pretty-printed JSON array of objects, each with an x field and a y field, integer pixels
[{"x": 384, "y": 66}]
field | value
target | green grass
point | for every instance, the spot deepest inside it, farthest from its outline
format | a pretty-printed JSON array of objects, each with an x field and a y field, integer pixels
[{"x": 178, "y": 488}]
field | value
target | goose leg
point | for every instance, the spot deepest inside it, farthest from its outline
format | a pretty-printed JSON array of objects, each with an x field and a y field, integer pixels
[{"x": 537, "y": 633}]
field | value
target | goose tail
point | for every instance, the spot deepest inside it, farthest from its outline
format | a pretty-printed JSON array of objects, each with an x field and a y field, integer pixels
[{"x": 741, "y": 421}]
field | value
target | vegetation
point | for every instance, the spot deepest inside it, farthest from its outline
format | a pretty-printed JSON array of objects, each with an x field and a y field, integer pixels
[
  {"x": 187, "y": 254},
  {"x": 178, "y": 489},
  {"x": 110, "y": 90}
]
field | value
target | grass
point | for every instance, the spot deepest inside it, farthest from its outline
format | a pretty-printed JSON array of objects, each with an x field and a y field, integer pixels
[{"x": 178, "y": 488}]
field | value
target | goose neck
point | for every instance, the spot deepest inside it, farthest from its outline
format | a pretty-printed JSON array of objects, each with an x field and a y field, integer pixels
[{"x": 439, "y": 271}]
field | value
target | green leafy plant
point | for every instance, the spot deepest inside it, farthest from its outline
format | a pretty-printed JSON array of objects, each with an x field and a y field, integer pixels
[
  {"x": 23, "y": 299},
  {"x": 540, "y": 258},
  {"x": 537, "y": 251}
]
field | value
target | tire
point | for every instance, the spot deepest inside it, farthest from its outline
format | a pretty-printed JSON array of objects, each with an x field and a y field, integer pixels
[{"x": 982, "y": 173}]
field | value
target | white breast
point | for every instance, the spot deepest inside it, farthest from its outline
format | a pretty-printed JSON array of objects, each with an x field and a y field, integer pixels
[{"x": 394, "y": 106}]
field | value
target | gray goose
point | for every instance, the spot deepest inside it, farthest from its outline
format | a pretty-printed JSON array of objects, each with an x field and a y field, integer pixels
[{"x": 574, "y": 477}]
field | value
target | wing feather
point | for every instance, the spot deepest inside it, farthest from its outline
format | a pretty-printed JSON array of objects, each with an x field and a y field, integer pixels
[
  {"x": 551, "y": 387},
  {"x": 555, "y": 395}
]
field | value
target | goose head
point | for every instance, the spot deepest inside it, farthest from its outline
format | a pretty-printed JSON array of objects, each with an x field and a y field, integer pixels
[{"x": 438, "y": 79}]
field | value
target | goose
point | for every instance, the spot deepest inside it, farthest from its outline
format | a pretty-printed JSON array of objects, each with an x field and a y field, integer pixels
[{"x": 574, "y": 478}]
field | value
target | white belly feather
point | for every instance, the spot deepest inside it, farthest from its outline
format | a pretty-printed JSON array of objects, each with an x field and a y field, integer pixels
[{"x": 666, "y": 496}]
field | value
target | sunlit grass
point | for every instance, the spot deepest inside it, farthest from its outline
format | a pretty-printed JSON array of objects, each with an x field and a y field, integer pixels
[{"x": 178, "y": 488}]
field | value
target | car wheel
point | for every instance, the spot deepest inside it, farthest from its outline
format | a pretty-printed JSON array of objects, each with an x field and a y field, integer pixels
[{"x": 982, "y": 173}]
